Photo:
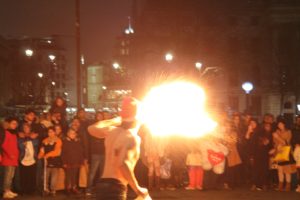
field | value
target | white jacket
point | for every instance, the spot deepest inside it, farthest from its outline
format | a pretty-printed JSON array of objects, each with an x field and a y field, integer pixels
[{"x": 297, "y": 156}]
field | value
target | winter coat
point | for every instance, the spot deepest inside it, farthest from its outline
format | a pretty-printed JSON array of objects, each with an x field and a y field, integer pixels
[
  {"x": 72, "y": 153},
  {"x": 10, "y": 151}
]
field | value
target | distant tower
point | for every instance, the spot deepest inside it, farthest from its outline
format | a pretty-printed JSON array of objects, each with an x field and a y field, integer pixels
[{"x": 129, "y": 29}]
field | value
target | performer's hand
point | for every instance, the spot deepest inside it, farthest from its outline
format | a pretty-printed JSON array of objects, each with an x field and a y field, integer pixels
[{"x": 143, "y": 194}]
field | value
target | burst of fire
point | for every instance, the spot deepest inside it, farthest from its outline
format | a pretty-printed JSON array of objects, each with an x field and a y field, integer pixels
[{"x": 176, "y": 108}]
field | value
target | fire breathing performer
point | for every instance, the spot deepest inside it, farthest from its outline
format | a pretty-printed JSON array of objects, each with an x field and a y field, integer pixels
[{"x": 122, "y": 150}]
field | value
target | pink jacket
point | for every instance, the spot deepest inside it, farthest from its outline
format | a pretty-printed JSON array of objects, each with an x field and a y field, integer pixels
[{"x": 10, "y": 151}]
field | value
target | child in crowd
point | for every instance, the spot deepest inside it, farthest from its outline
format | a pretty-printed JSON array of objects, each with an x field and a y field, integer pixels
[
  {"x": 193, "y": 162},
  {"x": 72, "y": 158},
  {"x": 59, "y": 131},
  {"x": 165, "y": 173},
  {"x": 28, "y": 145},
  {"x": 297, "y": 159},
  {"x": 50, "y": 151},
  {"x": 9, "y": 156}
]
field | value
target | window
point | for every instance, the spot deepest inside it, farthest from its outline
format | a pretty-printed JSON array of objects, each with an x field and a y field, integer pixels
[
  {"x": 256, "y": 75},
  {"x": 233, "y": 102},
  {"x": 255, "y": 105},
  {"x": 233, "y": 77}
]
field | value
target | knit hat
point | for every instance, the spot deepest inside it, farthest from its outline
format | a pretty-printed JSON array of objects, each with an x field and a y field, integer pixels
[{"x": 129, "y": 109}]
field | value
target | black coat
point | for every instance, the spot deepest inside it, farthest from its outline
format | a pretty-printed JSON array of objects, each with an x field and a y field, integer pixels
[{"x": 72, "y": 152}]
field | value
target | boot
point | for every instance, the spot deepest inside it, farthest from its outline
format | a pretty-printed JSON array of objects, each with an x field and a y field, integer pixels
[
  {"x": 157, "y": 182},
  {"x": 287, "y": 187},
  {"x": 280, "y": 186},
  {"x": 150, "y": 182}
]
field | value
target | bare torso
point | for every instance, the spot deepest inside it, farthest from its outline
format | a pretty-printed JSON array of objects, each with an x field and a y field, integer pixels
[{"x": 120, "y": 145}]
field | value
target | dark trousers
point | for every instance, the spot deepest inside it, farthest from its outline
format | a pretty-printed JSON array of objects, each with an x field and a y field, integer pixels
[
  {"x": 111, "y": 189},
  {"x": 28, "y": 178},
  {"x": 298, "y": 171},
  {"x": 261, "y": 169},
  {"x": 97, "y": 166},
  {"x": 72, "y": 174},
  {"x": 232, "y": 175}
]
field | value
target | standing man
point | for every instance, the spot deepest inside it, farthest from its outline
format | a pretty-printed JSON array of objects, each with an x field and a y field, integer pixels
[{"x": 122, "y": 150}]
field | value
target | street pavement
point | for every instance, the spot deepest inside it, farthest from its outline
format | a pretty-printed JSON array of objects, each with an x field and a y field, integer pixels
[{"x": 181, "y": 194}]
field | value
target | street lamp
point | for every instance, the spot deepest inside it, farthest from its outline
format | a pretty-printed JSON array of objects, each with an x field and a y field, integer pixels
[
  {"x": 116, "y": 65},
  {"x": 53, "y": 83},
  {"x": 40, "y": 75},
  {"x": 198, "y": 65},
  {"x": 247, "y": 87},
  {"x": 28, "y": 52},
  {"x": 51, "y": 57},
  {"x": 169, "y": 57}
]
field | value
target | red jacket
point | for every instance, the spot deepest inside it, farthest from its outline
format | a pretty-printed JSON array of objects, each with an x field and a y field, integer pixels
[{"x": 10, "y": 151}]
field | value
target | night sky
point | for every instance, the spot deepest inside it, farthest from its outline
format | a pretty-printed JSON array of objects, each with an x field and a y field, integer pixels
[{"x": 101, "y": 22}]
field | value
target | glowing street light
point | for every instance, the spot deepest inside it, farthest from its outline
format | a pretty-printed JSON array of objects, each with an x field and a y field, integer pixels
[
  {"x": 116, "y": 65},
  {"x": 169, "y": 57},
  {"x": 247, "y": 87},
  {"x": 198, "y": 65},
  {"x": 53, "y": 83},
  {"x": 28, "y": 52},
  {"x": 104, "y": 87},
  {"x": 51, "y": 57},
  {"x": 40, "y": 75}
]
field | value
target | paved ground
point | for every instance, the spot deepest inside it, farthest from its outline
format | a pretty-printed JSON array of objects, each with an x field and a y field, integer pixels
[{"x": 239, "y": 194}]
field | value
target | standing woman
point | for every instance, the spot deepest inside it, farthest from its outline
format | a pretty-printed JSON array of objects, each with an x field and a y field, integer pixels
[
  {"x": 51, "y": 151},
  {"x": 282, "y": 137},
  {"x": 250, "y": 141},
  {"x": 262, "y": 146},
  {"x": 28, "y": 145},
  {"x": 233, "y": 159}
]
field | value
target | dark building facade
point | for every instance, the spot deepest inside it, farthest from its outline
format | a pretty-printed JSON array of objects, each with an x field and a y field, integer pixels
[
  {"x": 255, "y": 40},
  {"x": 35, "y": 70}
]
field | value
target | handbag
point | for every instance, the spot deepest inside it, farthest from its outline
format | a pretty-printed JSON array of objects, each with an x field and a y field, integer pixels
[{"x": 283, "y": 154}]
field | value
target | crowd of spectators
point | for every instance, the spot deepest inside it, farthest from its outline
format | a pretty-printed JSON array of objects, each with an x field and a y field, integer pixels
[{"x": 47, "y": 153}]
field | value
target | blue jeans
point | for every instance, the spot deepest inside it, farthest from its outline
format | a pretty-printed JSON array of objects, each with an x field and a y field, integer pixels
[
  {"x": 97, "y": 162},
  {"x": 9, "y": 173}
]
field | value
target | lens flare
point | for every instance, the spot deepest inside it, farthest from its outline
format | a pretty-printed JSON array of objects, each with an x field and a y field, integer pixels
[{"x": 176, "y": 108}]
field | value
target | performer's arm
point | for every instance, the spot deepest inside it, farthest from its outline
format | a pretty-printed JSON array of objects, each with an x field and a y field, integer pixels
[
  {"x": 127, "y": 167},
  {"x": 101, "y": 128}
]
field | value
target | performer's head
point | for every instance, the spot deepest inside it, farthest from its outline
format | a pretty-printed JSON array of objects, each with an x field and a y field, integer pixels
[{"x": 129, "y": 111}]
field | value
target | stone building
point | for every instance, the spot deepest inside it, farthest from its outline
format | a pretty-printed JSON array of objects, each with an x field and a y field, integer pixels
[
  {"x": 256, "y": 41},
  {"x": 37, "y": 70}
]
